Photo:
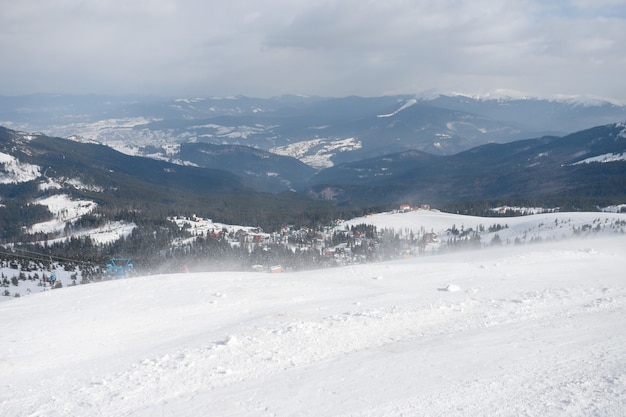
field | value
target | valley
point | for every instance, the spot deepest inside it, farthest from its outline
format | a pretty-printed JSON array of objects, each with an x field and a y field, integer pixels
[
  {"x": 281, "y": 208},
  {"x": 130, "y": 171}
]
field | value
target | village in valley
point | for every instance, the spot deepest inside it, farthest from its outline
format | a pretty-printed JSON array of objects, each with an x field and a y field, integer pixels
[
  {"x": 338, "y": 244},
  {"x": 408, "y": 231},
  {"x": 202, "y": 244},
  {"x": 197, "y": 244}
]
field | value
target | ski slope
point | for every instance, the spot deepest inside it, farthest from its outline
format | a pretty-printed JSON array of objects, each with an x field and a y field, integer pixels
[{"x": 524, "y": 330}]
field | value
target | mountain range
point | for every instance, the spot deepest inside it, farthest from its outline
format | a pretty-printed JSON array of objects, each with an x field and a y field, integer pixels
[
  {"x": 587, "y": 167},
  {"x": 517, "y": 325},
  {"x": 289, "y": 159},
  {"x": 590, "y": 164},
  {"x": 319, "y": 131}
]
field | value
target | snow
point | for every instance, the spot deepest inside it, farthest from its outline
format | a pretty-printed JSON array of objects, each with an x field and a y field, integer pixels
[
  {"x": 13, "y": 171},
  {"x": 406, "y": 105},
  {"x": 318, "y": 152},
  {"x": 190, "y": 100},
  {"x": 522, "y": 229},
  {"x": 199, "y": 226},
  {"x": 522, "y": 210},
  {"x": 525, "y": 330},
  {"x": 125, "y": 135},
  {"x": 107, "y": 233},
  {"x": 79, "y": 185},
  {"x": 242, "y": 132},
  {"x": 503, "y": 94},
  {"x": 608, "y": 157},
  {"x": 98, "y": 130},
  {"x": 620, "y": 208},
  {"x": 64, "y": 209},
  {"x": 52, "y": 184},
  {"x": 299, "y": 149}
]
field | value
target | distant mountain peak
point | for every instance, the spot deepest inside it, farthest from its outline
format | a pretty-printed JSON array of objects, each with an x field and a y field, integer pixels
[
  {"x": 497, "y": 94},
  {"x": 504, "y": 94}
]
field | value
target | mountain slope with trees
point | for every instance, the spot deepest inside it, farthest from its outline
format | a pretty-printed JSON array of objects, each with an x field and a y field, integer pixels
[
  {"x": 344, "y": 129},
  {"x": 548, "y": 167}
]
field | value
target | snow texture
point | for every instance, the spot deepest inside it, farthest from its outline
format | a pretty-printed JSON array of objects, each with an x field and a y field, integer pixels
[
  {"x": 533, "y": 330},
  {"x": 615, "y": 209},
  {"x": 318, "y": 152},
  {"x": 406, "y": 105},
  {"x": 522, "y": 229},
  {"x": 603, "y": 159},
  {"x": 66, "y": 210},
  {"x": 13, "y": 171}
]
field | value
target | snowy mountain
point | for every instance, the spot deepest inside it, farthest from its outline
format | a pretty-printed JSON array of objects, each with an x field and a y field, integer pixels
[
  {"x": 261, "y": 170},
  {"x": 51, "y": 188},
  {"x": 79, "y": 203},
  {"x": 557, "y": 116},
  {"x": 556, "y": 166},
  {"x": 521, "y": 330},
  {"x": 231, "y": 182},
  {"x": 490, "y": 316},
  {"x": 319, "y": 131}
]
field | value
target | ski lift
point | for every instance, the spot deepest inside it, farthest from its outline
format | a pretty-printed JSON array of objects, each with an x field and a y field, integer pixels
[{"x": 119, "y": 267}]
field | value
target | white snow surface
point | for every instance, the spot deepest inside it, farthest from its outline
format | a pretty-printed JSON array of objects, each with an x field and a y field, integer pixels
[
  {"x": 107, "y": 233},
  {"x": 543, "y": 227},
  {"x": 406, "y": 105},
  {"x": 504, "y": 94},
  {"x": 615, "y": 209},
  {"x": 14, "y": 171},
  {"x": 65, "y": 211},
  {"x": 532, "y": 330},
  {"x": 318, "y": 152},
  {"x": 603, "y": 159}
]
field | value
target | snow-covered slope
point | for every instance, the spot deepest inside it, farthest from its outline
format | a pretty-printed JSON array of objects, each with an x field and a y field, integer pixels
[
  {"x": 511, "y": 230},
  {"x": 318, "y": 153},
  {"x": 609, "y": 157},
  {"x": 318, "y": 131},
  {"x": 13, "y": 171},
  {"x": 526, "y": 330},
  {"x": 408, "y": 104},
  {"x": 66, "y": 210}
]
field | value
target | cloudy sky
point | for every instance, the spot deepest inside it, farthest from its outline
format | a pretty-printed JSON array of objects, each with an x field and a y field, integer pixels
[{"x": 315, "y": 47}]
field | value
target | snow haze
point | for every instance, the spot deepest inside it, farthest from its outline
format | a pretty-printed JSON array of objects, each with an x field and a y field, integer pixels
[{"x": 534, "y": 329}]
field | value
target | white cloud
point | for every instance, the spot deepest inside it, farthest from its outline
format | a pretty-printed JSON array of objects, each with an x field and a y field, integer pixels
[{"x": 326, "y": 47}]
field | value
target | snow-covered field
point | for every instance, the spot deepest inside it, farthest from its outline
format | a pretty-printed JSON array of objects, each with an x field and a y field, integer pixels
[
  {"x": 318, "y": 152},
  {"x": 66, "y": 210},
  {"x": 525, "y": 330},
  {"x": 511, "y": 230}
]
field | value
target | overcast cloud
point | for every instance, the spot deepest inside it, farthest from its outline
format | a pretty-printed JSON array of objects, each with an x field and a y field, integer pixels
[{"x": 315, "y": 47}]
